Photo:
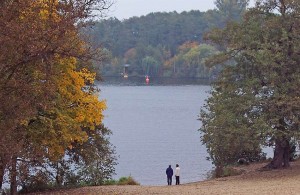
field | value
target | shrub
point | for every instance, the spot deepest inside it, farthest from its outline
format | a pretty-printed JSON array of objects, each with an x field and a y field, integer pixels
[
  {"x": 127, "y": 181},
  {"x": 223, "y": 172},
  {"x": 110, "y": 182},
  {"x": 230, "y": 171},
  {"x": 122, "y": 181}
]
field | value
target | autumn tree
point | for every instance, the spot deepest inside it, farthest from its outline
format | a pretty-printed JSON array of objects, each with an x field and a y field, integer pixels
[
  {"x": 47, "y": 93},
  {"x": 190, "y": 60},
  {"x": 255, "y": 101}
]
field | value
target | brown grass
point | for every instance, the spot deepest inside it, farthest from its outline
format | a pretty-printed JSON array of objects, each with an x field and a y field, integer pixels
[{"x": 252, "y": 181}]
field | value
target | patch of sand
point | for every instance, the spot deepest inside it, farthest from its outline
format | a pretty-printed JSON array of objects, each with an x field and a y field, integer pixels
[{"x": 252, "y": 181}]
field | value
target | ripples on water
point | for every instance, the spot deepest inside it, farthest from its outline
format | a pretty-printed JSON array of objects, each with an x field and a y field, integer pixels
[{"x": 154, "y": 126}]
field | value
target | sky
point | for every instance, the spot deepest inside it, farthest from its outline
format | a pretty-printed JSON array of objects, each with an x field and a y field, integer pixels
[{"x": 124, "y": 9}]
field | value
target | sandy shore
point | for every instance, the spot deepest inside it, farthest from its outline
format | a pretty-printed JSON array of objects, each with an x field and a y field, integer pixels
[{"x": 252, "y": 181}]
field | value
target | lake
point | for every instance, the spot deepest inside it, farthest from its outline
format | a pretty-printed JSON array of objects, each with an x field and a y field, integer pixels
[{"x": 154, "y": 126}]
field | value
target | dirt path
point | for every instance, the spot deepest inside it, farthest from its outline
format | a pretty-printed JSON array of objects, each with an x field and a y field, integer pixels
[{"x": 284, "y": 181}]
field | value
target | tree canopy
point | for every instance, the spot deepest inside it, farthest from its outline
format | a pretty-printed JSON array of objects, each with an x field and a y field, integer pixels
[
  {"x": 255, "y": 101},
  {"x": 48, "y": 99}
]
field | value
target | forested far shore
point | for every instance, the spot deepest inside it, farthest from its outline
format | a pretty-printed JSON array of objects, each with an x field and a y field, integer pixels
[{"x": 162, "y": 44}]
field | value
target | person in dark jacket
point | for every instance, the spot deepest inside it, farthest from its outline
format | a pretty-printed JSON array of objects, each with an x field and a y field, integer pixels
[{"x": 169, "y": 173}]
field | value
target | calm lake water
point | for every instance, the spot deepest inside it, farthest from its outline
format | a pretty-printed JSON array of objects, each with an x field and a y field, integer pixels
[{"x": 154, "y": 126}]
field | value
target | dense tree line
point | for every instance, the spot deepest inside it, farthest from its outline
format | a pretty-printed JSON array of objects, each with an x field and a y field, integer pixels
[
  {"x": 50, "y": 115},
  {"x": 149, "y": 44},
  {"x": 255, "y": 101}
]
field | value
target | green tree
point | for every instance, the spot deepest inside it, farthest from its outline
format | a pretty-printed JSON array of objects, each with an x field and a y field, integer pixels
[
  {"x": 257, "y": 90},
  {"x": 91, "y": 162},
  {"x": 150, "y": 66},
  {"x": 231, "y": 9},
  {"x": 231, "y": 127},
  {"x": 95, "y": 158}
]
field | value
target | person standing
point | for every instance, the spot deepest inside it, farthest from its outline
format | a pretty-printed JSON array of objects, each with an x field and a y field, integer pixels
[
  {"x": 169, "y": 173},
  {"x": 177, "y": 174}
]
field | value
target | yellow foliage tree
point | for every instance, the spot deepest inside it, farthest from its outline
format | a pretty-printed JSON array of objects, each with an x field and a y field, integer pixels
[
  {"x": 46, "y": 94},
  {"x": 76, "y": 107}
]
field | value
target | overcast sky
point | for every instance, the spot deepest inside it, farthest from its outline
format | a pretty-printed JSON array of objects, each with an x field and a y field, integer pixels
[{"x": 124, "y": 9}]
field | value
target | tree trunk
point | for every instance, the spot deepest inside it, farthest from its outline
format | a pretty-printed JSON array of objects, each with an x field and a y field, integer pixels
[
  {"x": 281, "y": 154},
  {"x": 13, "y": 176},
  {"x": 1, "y": 174},
  {"x": 286, "y": 154},
  {"x": 2, "y": 169},
  {"x": 219, "y": 171}
]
